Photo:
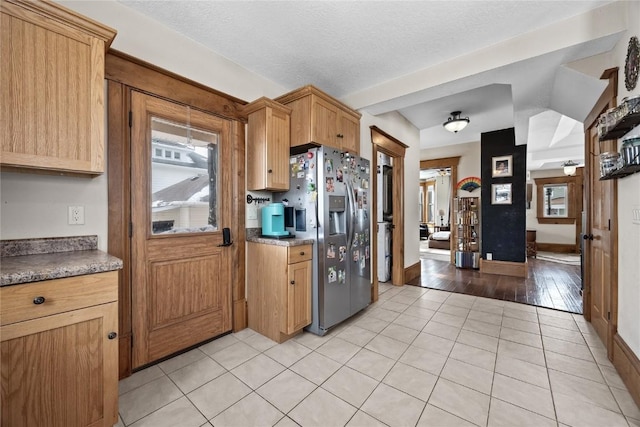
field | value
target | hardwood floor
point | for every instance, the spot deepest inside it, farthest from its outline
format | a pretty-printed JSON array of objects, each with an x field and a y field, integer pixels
[{"x": 549, "y": 284}]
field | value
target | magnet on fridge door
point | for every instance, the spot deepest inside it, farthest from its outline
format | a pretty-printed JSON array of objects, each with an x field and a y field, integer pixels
[
  {"x": 330, "y": 186},
  {"x": 342, "y": 276},
  {"x": 332, "y": 275},
  {"x": 356, "y": 255},
  {"x": 331, "y": 251},
  {"x": 328, "y": 164}
]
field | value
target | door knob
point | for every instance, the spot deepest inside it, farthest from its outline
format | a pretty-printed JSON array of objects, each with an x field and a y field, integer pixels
[
  {"x": 293, "y": 282},
  {"x": 112, "y": 335},
  {"x": 38, "y": 300}
]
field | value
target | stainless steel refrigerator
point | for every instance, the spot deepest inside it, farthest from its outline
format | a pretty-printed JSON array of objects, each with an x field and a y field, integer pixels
[{"x": 329, "y": 201}]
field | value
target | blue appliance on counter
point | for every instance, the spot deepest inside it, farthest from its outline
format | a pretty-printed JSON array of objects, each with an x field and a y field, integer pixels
[{"x": 273, "y": 221}]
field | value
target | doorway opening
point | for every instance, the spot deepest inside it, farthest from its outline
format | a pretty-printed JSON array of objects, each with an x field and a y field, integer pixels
[
  {"x": 383, "y": 143},
  {"x": 435, "y": 192},
  {"x": 443, "y": 172}
]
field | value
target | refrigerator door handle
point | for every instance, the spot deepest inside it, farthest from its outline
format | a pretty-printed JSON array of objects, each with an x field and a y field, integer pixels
[{"x": 352, "y": 212}]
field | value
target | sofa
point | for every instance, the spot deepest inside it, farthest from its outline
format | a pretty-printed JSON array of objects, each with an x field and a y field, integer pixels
[{"x": 440, "y": 240}]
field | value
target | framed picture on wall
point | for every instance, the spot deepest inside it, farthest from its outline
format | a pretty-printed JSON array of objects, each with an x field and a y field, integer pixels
[
  {"x": 501, "y": 194},
  {"x": 501, "y": 166}
]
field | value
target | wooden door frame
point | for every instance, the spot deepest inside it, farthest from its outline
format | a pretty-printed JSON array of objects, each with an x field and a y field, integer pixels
[
  {"x": 607, "y": 100},
  {"x": 124, "y": 73},
  {"x": 447, "y": 162},
  {"x": 394, "y": 148}
]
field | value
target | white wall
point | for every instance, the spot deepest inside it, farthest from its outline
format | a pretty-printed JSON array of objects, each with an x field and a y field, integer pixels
[
  {"x": 628, "y": 199},
  {"x": 398, "y": 127},
  {"x": 37, "y": 205},
  {"x": 548, "y": 233}
]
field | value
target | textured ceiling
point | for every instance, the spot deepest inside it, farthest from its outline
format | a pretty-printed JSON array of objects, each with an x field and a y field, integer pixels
[{"x": 348, "y": 47}]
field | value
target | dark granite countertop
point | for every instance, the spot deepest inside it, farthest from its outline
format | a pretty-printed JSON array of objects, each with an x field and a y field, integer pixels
[
  {"x": 33, "y": 260},
  {"x": 253, "y": 235}
]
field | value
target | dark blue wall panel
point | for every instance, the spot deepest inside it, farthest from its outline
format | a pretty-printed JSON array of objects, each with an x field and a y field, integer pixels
[{"x": 504, "y": 226}]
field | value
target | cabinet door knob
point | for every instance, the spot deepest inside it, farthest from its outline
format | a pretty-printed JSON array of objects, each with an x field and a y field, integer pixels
[
  {"x": 270, "y": 171},
  {"x": 340, "y": 135},
  {"x": 293, "y": 282},
  {"x": 38, "y": 300},
  {"x": 112, "y": 335},
  {"x": 301, "y": 252}
]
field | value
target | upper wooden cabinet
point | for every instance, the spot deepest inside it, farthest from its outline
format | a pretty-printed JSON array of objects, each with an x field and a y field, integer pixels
[
  {"x": 268, "y": 145},
  {"x": 51, "y": 87},
  {"x": 318, "y": 118}
]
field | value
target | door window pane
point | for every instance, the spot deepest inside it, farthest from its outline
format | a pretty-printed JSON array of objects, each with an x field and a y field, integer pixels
[{"x": 184, "y": 186}]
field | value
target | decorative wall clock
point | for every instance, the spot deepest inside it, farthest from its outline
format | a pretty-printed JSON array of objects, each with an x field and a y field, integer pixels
[{"x": 632, "y": 64}]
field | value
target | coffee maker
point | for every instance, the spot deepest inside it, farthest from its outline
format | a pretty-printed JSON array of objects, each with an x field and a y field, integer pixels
[{"x": 273, "y": 221}]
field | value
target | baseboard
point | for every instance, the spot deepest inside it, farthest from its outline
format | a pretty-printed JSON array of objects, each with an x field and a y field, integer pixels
[
  {"x": 628, "y": 366},
  {"x": 506, "y": 268},
  {"x": 559, "y": 248},
  {"x": 412, "y": 272}
]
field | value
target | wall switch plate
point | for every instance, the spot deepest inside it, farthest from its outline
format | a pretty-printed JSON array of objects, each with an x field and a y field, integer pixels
[
  {"x": 489, "y": 256},
  {"x": 76, "y": 215}
]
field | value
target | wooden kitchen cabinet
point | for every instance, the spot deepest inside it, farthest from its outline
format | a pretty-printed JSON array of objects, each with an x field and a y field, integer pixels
[
  {"x": 59, "y": 355},
  {"x": 279, "y": 289},
  {"x": 318, "y": 118},
  {"x": 51, "y": 88},
  {"x": 268, "y": 141}
]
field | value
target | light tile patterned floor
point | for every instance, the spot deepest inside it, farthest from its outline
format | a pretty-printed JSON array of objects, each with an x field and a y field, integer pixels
[{"x": 417, "y": 357}]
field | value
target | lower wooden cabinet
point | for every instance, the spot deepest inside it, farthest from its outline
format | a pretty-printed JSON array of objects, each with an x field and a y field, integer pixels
[
  {"x": 59, "y": 369},
  {"x": 279, "y": 289}
]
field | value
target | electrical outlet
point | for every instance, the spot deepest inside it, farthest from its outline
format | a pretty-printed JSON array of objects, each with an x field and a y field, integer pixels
[
  {"x": 76, "y": 215},
  {"x": 635, "y": 215},
  {"x": 489, "y": 256},
  {"x": 252, "y": 212}
]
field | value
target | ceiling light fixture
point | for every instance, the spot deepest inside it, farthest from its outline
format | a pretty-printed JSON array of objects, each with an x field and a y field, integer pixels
[
  {"x": 569, "y": 167},
  {"x": 456, "y": 123}
]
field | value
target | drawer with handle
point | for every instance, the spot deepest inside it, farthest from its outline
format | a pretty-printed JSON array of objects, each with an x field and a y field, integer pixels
[
  {"x": 299, "y": 253},
  {"x": 38, "y": 299}
]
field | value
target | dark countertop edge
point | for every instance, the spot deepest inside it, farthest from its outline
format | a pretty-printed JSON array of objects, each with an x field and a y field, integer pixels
[
  {"x": 280, "y": 242},
  {"x": 50, "y": 274}
]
